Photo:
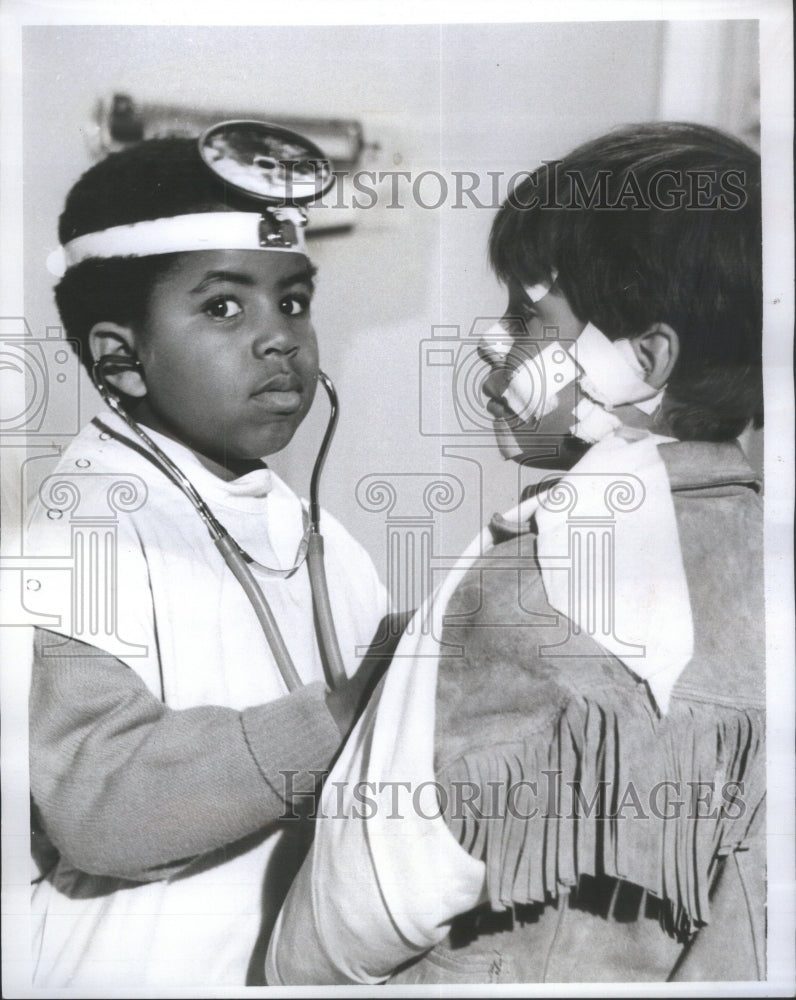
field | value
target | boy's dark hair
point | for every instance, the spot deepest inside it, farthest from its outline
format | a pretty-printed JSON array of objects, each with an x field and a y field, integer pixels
[
  {"x": 151, "y": 180},
  {"x": 655, "y": 223}
]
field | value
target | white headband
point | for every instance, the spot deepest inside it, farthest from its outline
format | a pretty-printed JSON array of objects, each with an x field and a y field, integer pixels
[{"x": 185, "y": 233}]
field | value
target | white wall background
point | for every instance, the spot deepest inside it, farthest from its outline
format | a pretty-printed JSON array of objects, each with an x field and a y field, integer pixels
[{"x": 471, "y": 97}]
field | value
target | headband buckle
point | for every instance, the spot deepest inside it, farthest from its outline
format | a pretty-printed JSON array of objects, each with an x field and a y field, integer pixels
[{"x": 278, "y": 231}]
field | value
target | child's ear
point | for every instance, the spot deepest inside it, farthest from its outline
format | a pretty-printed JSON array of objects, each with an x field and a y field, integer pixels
[
  {"x": 112, "y": 339},
  {"x": 657, "y": 350}
]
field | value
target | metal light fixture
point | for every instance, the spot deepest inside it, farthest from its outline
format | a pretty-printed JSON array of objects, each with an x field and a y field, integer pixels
[{"x": 121, "y": 122}]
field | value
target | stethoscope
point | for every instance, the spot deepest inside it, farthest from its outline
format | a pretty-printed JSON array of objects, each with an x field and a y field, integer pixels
[{"x": 311, "y": 549}]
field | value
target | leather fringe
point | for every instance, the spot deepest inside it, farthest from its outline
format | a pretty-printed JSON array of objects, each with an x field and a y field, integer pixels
[{"x": 655, "y": 803}]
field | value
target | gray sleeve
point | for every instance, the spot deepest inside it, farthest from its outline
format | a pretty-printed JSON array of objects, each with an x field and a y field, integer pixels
[{"x": 129, "y": 787}]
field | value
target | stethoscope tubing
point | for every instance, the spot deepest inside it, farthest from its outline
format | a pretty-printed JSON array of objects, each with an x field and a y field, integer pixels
[
  {"x": 327, "y": 633},
  {"x": 237, "y": 565},
  {"x": 334, "y": 669}
]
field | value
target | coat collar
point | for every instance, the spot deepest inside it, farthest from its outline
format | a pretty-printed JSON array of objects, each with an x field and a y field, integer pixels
[{"x": 708, "y": 465}]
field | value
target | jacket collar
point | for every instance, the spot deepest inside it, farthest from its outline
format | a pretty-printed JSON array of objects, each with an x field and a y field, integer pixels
[
  {"x": 703, "y": 466},
  {"x": 700, "y": 465}
]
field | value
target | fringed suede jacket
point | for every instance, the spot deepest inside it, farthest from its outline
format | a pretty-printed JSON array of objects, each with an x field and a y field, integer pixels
[
  {"x": 619, "y": 845},
  {"x": 583, "y": 835}
]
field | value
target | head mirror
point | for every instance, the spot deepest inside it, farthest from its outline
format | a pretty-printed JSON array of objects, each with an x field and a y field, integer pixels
[{"x": 266, "y": 162}]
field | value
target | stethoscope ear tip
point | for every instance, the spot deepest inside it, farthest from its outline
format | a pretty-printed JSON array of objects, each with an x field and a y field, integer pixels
[{"x": 118, "y": 362}]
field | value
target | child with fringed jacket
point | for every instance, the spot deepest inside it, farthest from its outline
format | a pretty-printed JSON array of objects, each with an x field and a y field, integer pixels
[{"x": 566, "y": 763}]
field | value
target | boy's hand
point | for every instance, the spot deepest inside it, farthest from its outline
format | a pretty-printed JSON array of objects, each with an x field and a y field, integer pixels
[{"x": 347, "y": 702}]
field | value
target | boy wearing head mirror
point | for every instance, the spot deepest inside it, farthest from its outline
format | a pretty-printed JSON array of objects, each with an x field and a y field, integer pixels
[
  {"x": 178, "y": 706},
  {"x": 566, "y": 770}
]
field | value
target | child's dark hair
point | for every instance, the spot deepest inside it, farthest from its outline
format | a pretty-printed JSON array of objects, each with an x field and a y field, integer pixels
[
  {"x": 655, "y": 223},
  {"x": 151, "y": 180}
]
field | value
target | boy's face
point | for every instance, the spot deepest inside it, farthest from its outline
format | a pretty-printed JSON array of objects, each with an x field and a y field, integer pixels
[
  {"x": 229, "y": 354},
  {"x": 532, "y": 326}
]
